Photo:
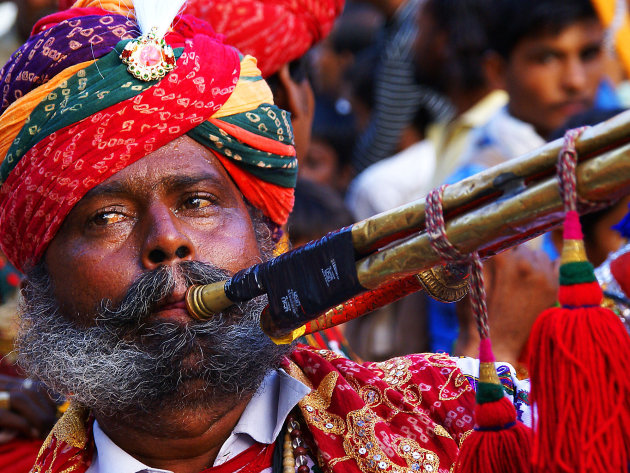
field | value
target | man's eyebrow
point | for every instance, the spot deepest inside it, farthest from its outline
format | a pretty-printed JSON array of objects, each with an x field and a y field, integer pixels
[
  {"x": 179, "y": 181},
  {"x": 169, "y": 183}
]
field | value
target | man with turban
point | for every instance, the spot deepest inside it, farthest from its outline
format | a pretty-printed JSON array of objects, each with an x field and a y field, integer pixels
[{"x": 140, "y": 159}]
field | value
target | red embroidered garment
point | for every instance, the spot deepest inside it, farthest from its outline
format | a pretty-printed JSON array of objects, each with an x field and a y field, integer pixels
[
  {"x": 273, "y": 31},
  {"x": 403, "y": 415},
  {"x": 17, "y": 455},
  {"x": 255, "y": 459}
]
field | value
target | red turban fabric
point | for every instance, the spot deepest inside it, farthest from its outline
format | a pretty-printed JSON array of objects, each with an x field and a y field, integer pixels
[
  {"x": 273, "y": 31},
  {"x": 69, "y": 121}
]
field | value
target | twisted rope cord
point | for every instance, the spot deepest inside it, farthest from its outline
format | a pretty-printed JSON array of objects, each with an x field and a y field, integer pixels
[
  {"x": 436, "y": 229},
  {"x": 567, "y": 178},
  {"x": 566, "y": 166}
]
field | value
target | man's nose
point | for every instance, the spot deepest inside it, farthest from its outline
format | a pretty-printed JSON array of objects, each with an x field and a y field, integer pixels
[
  {"x": 574, "y": 75},
  {"x": 165, "y": 242}
]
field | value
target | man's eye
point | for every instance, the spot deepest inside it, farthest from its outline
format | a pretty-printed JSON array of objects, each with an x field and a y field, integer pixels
[
  {"x": 591, "y": 53},
  {"x": 546, "y": 58},
  {"x": 197, "y": 202},
  {"x": 107, "y": 218}
]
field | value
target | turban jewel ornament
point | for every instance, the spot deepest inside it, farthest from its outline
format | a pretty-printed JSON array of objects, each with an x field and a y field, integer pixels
[{"x": 149, "y": 57}]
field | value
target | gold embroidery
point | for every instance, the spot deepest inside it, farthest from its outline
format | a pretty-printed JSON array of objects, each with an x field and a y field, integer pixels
[
  {"x": 362, "y": 445},
  {"x": 465, "y": 436},
  {"x": 329, "y": 355},
  {"x": 459, "y": 381},
  {"x": 334, "y": 461},
  {"x": 395, "y": 371},
  {"x": 417, "y": 458},
  {"x": 438, "y": 360},
  {"x": 70, "y": 428},
  {"x": 408, "y": 396},
  {"x": 358, "y": 427},
  {"x": 371, "y": 396},
  {"x": 441, "y": 432},
  {"x": 315, "y": 406},
  {"x": 70, "y": 469},
  {"x": 294, "y": 371},
  {"x": 356, "y": 385}
]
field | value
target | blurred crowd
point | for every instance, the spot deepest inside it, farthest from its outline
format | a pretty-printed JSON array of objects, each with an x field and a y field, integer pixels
[{"x": 408, "y": 95}]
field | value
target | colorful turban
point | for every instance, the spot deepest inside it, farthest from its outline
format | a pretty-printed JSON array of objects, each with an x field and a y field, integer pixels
[
  {"x": 273, "y": 31},
  {"x": 72, "y": 116}
]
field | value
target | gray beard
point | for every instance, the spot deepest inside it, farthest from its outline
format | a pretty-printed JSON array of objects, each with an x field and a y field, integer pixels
[{"x": 127, "y": 365}]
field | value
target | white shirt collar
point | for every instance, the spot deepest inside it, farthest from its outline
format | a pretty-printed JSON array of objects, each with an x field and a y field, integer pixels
[{"x": 261, "y": 421}]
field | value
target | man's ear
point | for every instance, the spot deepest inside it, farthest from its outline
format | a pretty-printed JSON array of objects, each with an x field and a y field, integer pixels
[{"x": 495, "y": 69}]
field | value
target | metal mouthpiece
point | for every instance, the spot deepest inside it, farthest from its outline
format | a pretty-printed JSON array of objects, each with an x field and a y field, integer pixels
[{"x": 202, "y": 302}]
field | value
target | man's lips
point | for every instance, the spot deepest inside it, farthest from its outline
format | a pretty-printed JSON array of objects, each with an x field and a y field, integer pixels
[
  {"x": 572, "y": 107},
  {"x": 175, "y": 311}
]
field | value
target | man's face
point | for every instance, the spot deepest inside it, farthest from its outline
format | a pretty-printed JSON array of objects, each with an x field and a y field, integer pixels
[
  {"x": 320, "y": 164},
  {"x": 104, "y": 318},
  {"x": 176, "y": 204},
  {"x": 551, "y": 77}
]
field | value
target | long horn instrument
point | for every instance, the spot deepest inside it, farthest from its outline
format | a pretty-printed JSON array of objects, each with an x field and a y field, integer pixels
[{"x": 488, "y": 212}]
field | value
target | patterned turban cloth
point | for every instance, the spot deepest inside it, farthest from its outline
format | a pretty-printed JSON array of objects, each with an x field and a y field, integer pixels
[
  {"x": 273, "y": 31},
  {"x": 72, "y": 116}
]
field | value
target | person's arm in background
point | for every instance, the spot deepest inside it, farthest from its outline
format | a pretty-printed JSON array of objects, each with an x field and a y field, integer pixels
[
  {"x": 26, "y": 408},
  {"x": 27, "y": 413}
]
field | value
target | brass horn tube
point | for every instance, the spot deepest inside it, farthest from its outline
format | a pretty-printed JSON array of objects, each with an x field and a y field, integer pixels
[
  {"x": 489, "y": 229},
  {"x": 371, "y": 234},
  {"x": 503, "y": 223}
]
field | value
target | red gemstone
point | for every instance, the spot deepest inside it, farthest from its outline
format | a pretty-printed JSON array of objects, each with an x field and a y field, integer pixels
[
  {"x": 295, "y": 433},
  {"x": 126, "y": 53},
  {"x": 303, "y": 469},
  {"x": 300, "y": 451},
  {"x": 170, "y": 60},
  {"x": 150, "y": 55}
]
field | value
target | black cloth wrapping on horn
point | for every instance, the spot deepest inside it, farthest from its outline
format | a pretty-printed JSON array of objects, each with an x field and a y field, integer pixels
[{"x": 302, "y": 283}]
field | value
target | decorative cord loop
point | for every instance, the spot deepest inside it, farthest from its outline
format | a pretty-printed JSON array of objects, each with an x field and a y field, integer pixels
[
  {"x": 567, "y": 177},
  {"x": 567, "y": 164},
  {"x": 436, "y": 229}
]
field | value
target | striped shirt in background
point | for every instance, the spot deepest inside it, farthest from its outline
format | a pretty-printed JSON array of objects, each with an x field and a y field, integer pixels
[{"x": 397, "y": 97}]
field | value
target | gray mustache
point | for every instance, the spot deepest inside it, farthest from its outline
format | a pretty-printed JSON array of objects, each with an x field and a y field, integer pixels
[{"x": 150, "y": 289}]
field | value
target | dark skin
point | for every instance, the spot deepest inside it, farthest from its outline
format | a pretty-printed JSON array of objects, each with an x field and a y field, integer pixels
[
  {"x": 297, "y": 98},
  {"x": 177, "y": 203},
  {"x": 520, "y": 283},
  {"x": 32, "y": 412},
  {"x": 551, "y": 77}
]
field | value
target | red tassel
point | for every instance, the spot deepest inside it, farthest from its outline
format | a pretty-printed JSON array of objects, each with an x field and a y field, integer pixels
[
  {"x": 499, "y": 443},
  {"x": 502, "y": 451},
  {"x": 581, "y": 387}
]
